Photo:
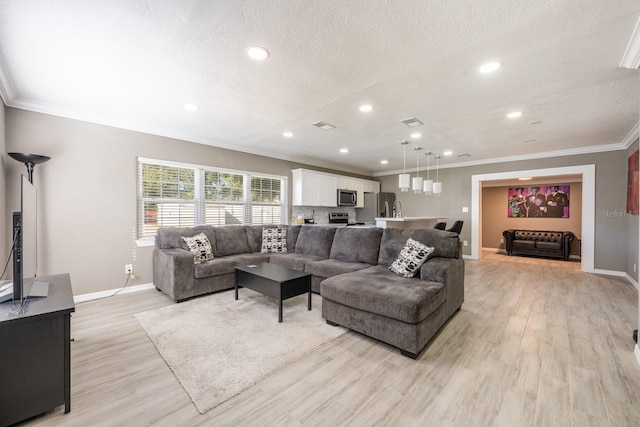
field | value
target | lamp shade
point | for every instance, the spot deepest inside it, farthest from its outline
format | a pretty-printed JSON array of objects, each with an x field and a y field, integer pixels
[
  {"x": 417, "y": 184},
  {"x": 427, "y": 187},
  {"x": 437, "y": 188},
  {"x": 404, "y": 181}
]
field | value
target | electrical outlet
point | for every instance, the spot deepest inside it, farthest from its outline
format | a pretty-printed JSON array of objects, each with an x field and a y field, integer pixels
[
  {"x": 501, "y": 240},
  {"x": 128, "y": 269},
  {"x": 465, "y": 243},
  {"x": 465, "y": 209}
]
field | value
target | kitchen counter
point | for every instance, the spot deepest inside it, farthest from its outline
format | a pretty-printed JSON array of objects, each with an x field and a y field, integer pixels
[{"x": 408, "y": 222}]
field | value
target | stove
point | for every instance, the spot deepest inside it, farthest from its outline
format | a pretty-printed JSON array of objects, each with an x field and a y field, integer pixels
[
  {"x": 341, "y": 218},
  {"x": 338, "y": 218}
]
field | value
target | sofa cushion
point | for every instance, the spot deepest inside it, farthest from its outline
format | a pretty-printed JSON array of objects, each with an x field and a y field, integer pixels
[
  {"x": 445, "y": 244},
  {"x": 167, "y": 238},
  {"x": 524, "y": 244},
  {"x": 379, "y": 291},
  {"x": 231, "y": 239},
  {"x": 549, "y": 246},
  {"x": 274, "y": 240},
  {"x": 214, "y": 267},
  {"x": 199, "y": 246},
  {"x": 226, "y": 264},
  {"x": 292, "y": 237},
  {"x": 332, "y": 267},
  {"x": 293, "y": 260},
  {"x": 411, "y": 257},
  {"x": 360, "y": 245},
  {"x": 254, "y": 237},
  {"x": 314, "y": 240}
]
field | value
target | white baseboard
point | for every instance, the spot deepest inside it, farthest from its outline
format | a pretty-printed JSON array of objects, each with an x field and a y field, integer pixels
[
  {"x": 636, "y": 351},
  {"x": 631, "y": 280},
  {"x": 102, "y": 294}
]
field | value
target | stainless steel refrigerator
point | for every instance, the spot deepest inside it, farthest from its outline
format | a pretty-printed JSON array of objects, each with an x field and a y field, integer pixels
[{"x": 376, "y": 205}]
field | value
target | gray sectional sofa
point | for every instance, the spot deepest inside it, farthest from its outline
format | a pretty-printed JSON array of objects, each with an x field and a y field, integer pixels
[{"x": 349, "y": 268}]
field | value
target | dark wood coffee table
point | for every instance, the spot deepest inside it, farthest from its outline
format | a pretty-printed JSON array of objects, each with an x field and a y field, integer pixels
[{"x": 274, "y": 281}]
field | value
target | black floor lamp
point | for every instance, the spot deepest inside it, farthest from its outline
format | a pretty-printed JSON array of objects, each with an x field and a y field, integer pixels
[{"x": 30, "y": 160}]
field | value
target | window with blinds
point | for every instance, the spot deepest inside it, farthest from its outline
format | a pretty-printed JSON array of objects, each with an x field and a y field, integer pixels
[{"x": 178, "y": 195}]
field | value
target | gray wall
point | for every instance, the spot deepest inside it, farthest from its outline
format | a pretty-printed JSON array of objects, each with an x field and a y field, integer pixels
[
  {"x": 87, "y": 192},
  {"x": 612, "y": 238},
  {"x": 495, "y": 221}
]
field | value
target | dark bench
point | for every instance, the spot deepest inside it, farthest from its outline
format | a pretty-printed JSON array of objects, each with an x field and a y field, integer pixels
[{"x": 541, "y": 243}]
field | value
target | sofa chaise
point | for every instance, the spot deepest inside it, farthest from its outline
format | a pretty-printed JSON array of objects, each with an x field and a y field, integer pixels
[{"x": 349, "y": 267}]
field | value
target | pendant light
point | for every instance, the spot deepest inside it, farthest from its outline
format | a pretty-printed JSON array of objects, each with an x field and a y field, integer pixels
[
  {"x": 427, "y": 185},
  {"x": 404, "y": 178},
  {"x": 437, "y": 186},
  {"x": 417, "y": 181}
]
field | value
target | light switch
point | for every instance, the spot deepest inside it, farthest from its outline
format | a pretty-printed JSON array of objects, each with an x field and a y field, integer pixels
[{"x": 465, "y": 209}]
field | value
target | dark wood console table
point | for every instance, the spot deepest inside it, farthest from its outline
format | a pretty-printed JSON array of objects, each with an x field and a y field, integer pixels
[{"x": 35, "y": 372}]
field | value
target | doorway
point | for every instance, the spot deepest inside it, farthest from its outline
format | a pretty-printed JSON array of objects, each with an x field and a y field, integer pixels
[{"x": 588, "y": 206}]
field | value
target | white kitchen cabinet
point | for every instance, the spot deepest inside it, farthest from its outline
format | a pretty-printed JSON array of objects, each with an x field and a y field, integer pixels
[
  {"x": 311, "y": 188},
  {"x": 314, "y": 189}
]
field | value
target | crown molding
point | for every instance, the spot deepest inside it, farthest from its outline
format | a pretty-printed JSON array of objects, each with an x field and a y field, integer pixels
[
  {"x": 127, "y": 125},
  {"x": 7, "y": 91},
  {"x": 631, "y": 137},
  {"x": 623, "y": 145},
  {"x": 631, "y": 57}
]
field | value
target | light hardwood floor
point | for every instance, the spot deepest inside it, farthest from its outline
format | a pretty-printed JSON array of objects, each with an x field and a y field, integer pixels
[{"x": 532, "y": 345}]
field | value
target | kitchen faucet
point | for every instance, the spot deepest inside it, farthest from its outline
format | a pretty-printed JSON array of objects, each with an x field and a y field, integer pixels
[{"x": 398, "y": 211}]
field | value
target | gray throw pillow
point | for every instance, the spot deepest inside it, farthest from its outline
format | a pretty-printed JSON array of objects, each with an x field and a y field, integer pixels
[
  {"x": 199, "y": 246},
  {"x": 411, "y": 257},
  {"x": 274, "y": 240}
]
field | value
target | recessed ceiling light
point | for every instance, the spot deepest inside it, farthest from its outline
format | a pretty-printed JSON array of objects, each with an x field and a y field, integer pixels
[
  {"x": 366, "y": 108},
  {"x": 191, "y": 107},
  {"x": 416, "y": 135},
  {"x": 514, "y": 114},
  {"x": 447, "y": 153},
  {"x": 287, "y": 134},
  {"x": 257, "y": 53},
  {"x": 344, "y": 150},
  {"x": 525, "y": 179},
  {"x": 489, "y": 67},
  {"x": 384, "y": 162}
]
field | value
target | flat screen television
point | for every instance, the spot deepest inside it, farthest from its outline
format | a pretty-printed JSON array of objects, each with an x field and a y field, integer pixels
[{"x": 25, "y": 246}]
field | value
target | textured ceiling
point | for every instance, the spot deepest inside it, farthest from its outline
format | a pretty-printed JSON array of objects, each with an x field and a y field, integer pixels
[{"x": 134, "y": 64}]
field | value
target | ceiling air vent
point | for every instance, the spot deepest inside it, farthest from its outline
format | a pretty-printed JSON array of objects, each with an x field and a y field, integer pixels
[
  {"x": 323, "y": 125},
  {"x": 462, "y": 155},
  {"x": 411, "y": 122}
]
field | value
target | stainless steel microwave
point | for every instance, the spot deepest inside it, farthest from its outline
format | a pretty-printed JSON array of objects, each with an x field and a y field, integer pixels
[{"x": 347, "y": 197}]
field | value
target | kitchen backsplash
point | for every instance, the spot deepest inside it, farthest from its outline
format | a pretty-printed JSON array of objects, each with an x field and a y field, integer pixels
[{"x": 319, "y": 214}]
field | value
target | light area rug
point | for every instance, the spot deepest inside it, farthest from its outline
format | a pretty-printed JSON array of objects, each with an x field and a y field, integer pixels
[{"x": 217, "y": 346}]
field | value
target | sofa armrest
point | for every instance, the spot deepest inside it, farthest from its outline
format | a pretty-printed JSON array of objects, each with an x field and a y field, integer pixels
[
  {"x": 449, "y": 272},
  {"x": 509, "y": 236},
  {"x": 567, "y": 237},
  {"x": 173, "y": 271}
]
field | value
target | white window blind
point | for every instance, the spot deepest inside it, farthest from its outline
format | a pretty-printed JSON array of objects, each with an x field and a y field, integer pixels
[{"x": 178, "y": 195}]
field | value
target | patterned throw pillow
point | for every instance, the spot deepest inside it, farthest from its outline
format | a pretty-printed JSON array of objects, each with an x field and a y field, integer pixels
[
  {"x": 274, "y": 240},
  {"x": 411, "y": 257},
  {"x": 200, "y": 246}
]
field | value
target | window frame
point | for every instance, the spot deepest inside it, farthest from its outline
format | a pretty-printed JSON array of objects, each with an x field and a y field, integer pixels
[{"x": 200, "y": 197}]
